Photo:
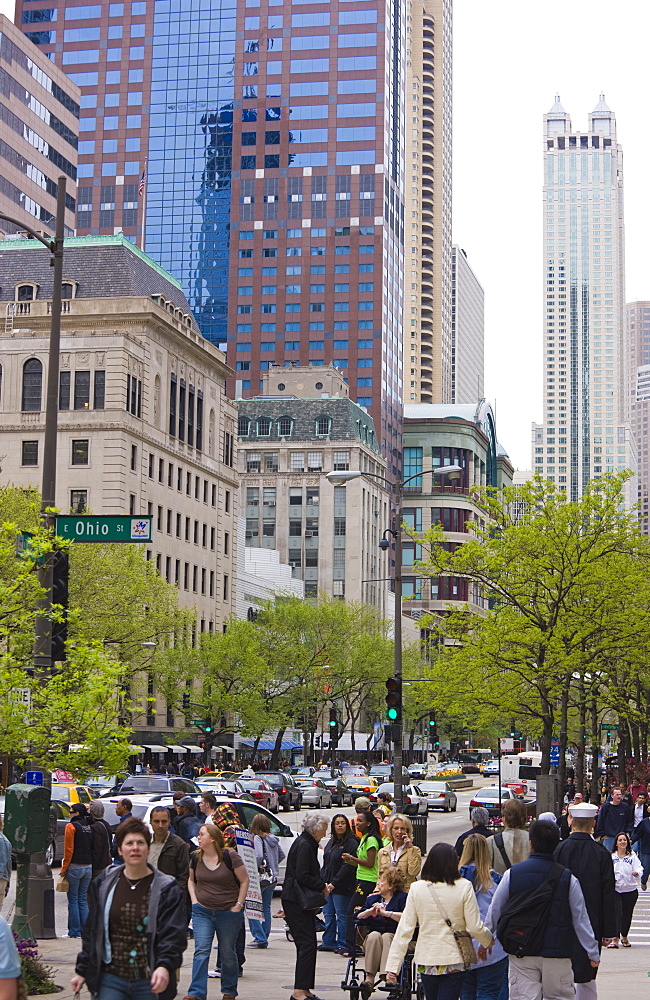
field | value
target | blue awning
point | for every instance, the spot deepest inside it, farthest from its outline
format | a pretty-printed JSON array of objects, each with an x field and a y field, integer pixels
[{"x": 270, "y": 745}]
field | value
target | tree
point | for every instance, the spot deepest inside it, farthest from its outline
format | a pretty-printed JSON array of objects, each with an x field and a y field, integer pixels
[{"x": 559, "y": 579}]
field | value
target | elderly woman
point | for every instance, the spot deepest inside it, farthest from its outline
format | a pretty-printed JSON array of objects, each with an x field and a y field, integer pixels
[
  {"x": 303, "y": 873},
  {"x": 511, "y": 846},
  {"x": 400, "y": 852},
  {"x": 381, "y": 916}
]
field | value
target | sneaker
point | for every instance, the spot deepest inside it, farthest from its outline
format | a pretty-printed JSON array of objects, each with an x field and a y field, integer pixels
[
  {"x": 367, "y": 989},
  {"x": 256, "y": 944},
  {"x": 322, "y": 947},
  {"x": 644, "y": 887},
  {"x": 215, "y": 974}
]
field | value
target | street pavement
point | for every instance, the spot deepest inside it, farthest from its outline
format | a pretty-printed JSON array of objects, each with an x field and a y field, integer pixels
[{"x": 270, "y": 974}]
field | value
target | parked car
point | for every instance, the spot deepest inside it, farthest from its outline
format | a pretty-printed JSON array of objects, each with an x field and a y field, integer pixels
[
  {"x": 71, "y": 791},
  {"x": 285, "y": 785},
  {"x": 141, "y": 784},
  {"x": 491, "y": 767},
  {"x": 415, "y": 802},
  {"x": 417, "y": 771},
  {"x": 439, "y": 795},
  {"x": 342, "y": 794},
  {"x": 489, "y": 799},
  {"x": 362, "y": 785},
  {"x": 301, "y": 770},
  {"x": 315, "y": 792},
  {"x": 262, "y": 792}
]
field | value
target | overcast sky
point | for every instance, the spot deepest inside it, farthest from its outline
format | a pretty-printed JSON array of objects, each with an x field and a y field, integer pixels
[{"x": 510, "y": 58}]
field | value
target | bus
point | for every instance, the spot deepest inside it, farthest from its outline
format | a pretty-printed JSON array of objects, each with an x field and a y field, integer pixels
[{"x": 520, "y": 771}]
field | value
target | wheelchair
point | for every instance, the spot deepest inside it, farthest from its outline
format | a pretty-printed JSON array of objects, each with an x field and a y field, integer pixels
[{"x": 407, "y": 986}]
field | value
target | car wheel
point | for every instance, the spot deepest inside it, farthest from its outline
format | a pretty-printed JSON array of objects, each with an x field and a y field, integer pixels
[
  {"x": 298, "y": 804},
  {"x": 50, "y": 854},
  {"x": 455, "y": 806},
  {"x": 287, "y": 806}
]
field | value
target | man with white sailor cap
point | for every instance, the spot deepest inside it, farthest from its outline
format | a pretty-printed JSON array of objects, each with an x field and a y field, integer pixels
[{"x": 592, "y": 866}]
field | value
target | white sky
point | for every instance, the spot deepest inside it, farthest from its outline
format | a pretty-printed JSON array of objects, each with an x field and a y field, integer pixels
[{"x": 510, "y": 58}]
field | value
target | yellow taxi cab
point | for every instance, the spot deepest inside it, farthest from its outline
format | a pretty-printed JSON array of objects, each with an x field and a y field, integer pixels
[
  {"x": 71, "y": 791},
  {"x": 363, "y": 784}
]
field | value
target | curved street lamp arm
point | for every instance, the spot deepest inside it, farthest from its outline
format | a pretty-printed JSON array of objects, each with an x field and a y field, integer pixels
[{"x": 49, "y": 244}]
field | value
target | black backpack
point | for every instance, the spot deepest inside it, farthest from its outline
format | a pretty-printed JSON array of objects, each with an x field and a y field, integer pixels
[{"x": 522, "y": 923}]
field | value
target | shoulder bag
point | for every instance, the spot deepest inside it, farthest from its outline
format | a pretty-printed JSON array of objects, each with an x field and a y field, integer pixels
[
  {"x": 501, "y": 847},
  {"x": 463, "y": 939},
  {"x": 267, "y": 876}
]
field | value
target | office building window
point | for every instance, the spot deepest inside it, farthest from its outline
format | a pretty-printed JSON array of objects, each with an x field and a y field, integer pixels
[
  {"x": 81, "y": 390},
  {"x": 80, "y": 452},
  {"x": 32, "y": 385},
  {"x": 29, "y": 453},
  {"x": 64, "y": 390},
  {"x": 78, "y": 501}
]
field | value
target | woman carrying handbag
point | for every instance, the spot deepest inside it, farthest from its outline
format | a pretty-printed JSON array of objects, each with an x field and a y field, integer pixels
[
  {"x": 269, "y": 854},
  {"x": 443, "y": 906}
]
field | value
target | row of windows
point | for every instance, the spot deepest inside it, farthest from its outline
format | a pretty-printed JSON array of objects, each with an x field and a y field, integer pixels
[
  {"x": 110, "y": 122},
  {"x": 263, "y": 426},
  {"x": 195, "y": 578},
  {"x": 299, "y": 461},
  {"x": 191, "y": 530},
  {"x": 89, "y": 11},
  {"x": 32, "y": 388},
  {"x": 298, "y": 234},
  {"x": 175, "y": 474},
  {"x": 112, "y": 77},
  {"x": 268, "y": 308},
  {"x": 272, "y": 160},
  {"x": 294, "y": 269},
  {"x": 182, "y": 400},
  {"x": 73, "y": 56},
  {"x": 314, "y": 251},
  {"x": 79, "y": 452}
]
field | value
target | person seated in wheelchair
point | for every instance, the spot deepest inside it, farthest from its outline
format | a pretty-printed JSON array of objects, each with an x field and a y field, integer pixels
[{"x": 377, "y": 923}]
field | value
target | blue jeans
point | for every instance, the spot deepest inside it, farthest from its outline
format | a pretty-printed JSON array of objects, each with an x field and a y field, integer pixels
[
  {"x": 335, "y": 914},
  {"x": 262, "y": 929},
  {"x": 485, "y": 983},
  {"x": 645, "y": 861},
  {"x": 608, "y": 843},
  {"x": 79, "y": 880},
  {"x": 446, "y": 987},
  {"x": 114, "y": 988},
  {"x": 226, "y": 925}
]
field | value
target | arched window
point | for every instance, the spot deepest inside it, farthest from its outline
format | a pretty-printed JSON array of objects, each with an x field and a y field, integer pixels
[
  {"x": 285, "y": 426},
  {"x": 32, "y": 384},
  {"x": 26, "y": 292},
  {"x": 68, "y": 289},
  {"x": 263, "y": 426},
  {"x": 323, "y": 426},
  {"x": 243, "y": 427}
]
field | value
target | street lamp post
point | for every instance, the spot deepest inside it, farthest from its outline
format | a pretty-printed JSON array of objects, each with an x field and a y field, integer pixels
[{"x": 342, "y": 478}]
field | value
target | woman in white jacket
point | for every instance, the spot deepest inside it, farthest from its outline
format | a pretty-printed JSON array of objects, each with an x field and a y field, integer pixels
[{"x": 437, "y": 957}]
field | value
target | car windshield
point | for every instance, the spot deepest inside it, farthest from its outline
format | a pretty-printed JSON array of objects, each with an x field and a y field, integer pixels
[
  {"x": 349, "y": 772},
  {"x": 273, "y": 779},
  {"x": 433, "y": 786},
  {"x": 145, "y": 785}
]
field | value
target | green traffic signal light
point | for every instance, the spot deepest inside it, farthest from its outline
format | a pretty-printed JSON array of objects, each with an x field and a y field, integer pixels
[{"x": 392, "y": 714}]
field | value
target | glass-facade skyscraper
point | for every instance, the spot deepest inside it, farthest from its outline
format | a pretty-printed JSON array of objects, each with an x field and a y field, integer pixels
[
  {"x": 271, "y": 140},
  {"x": 585, "y": 432}
]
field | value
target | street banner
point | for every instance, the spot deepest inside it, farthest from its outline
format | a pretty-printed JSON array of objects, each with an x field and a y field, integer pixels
[{"x": 246, "y": 851}]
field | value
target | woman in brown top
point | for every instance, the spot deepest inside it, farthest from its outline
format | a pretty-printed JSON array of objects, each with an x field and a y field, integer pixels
[{"x": 218, "y": 886}]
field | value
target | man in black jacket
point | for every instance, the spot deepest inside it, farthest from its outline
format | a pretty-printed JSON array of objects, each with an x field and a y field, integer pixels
[
  {"x": 101, "y": 838},
  {"x": 168, "y": 852},
  {"x": 614, "y": 817},
  {"x": 479, "y": 818},
  {"x": 592, "y": 866}
]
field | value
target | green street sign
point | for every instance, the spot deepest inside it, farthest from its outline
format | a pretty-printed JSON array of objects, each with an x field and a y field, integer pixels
[
  {"x": 609, "y": 726},
  {"x": 105, "y": 528},
  {"x": 198, "y": 722}
]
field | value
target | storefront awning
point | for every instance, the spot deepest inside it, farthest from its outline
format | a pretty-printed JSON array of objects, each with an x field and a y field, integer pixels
[
  {"x": 134, "y": 749},
  {"x": 155, "y": 747},
  {"x": 176, "y": 749},
  {"x": 270, "y": 745},
  {"x": 193, "y": 748}
]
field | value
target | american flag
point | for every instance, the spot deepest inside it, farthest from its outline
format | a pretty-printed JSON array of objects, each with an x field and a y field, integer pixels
[{"x": 141, "y": 184}]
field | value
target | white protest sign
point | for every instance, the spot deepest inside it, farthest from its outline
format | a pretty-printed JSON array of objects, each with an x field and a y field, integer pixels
[{"x": 246, "y": 851}]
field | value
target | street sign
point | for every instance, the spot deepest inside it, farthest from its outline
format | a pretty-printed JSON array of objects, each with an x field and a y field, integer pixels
[
  {"x": 507, "y": 743},
  {"x": 105, "y": 528},
  {"x": 609, "y": 726},
  {"x": 34, "y": 778},
  {"x": 198, "y": 722},
  {"x": 554, "y": 759}
]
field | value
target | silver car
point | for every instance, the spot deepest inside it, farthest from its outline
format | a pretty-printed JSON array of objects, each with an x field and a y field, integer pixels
[
  {"x": 314, "y": 792},
  {"x": 439, "y": 795}
]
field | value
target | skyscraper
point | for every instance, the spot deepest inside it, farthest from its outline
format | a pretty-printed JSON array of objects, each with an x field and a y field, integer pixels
[
  {"x": 428, "y": 319},
  {"x": 585, "y": 432},
  {"x": 271, "y": 137},
  {"x": 638, "y": 344},
  {"x": 467, "y": 331}
]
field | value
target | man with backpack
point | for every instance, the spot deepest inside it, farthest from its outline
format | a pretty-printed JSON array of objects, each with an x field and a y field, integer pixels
[{"x": 537, "y": 909}]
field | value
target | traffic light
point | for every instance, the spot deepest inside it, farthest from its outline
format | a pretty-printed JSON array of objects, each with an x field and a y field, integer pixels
[
  {"x": 208, "y": 727},
  {"x": 393, "y": 699},
  {"x": 186, "y": 702},
  {"x": 60, "y": 572},
  {"x": 333, "y": 726},
  {"x": 433, "y": 730}
]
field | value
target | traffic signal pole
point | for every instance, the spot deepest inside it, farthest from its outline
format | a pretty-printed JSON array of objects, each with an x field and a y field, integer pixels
[{"x": 397, "y": 661}]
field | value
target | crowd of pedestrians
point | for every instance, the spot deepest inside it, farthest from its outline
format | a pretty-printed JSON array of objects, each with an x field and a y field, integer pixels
[{"x": 464, "y": 913}]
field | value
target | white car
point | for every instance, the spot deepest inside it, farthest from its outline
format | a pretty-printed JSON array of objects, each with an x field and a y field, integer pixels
[{"x": 491, "y": 767}]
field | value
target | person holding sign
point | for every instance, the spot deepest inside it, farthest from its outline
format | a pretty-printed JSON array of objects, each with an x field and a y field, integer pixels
[{"x": 218, "y": 885}]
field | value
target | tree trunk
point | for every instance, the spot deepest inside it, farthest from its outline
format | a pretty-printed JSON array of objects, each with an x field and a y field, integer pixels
[
  {"x": 564, "y": 714},
  {"x": 624, "y": 750},
  {"x": 545, "y": 742},
  {"x": 582, "y": 739},
  {"x": 595, "y": 746},
  {"x": 275, "y": 756},
  {"x": 255, "y": 747}
]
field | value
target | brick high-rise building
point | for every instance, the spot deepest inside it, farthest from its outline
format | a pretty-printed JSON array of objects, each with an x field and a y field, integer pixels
[
  {"x": 39, "y": 116},
  {"x": 272, "y": 139}
]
